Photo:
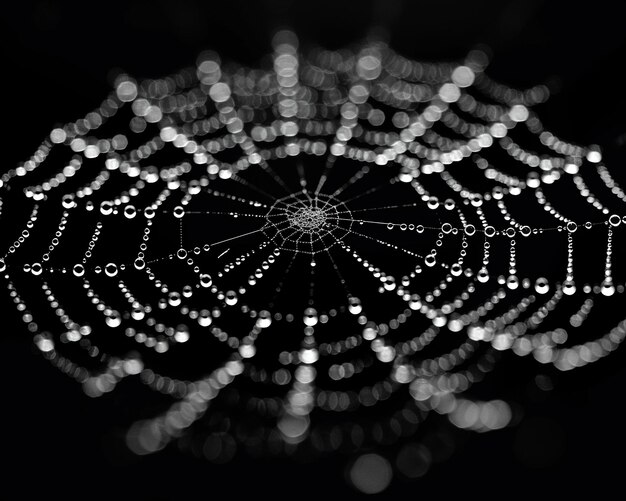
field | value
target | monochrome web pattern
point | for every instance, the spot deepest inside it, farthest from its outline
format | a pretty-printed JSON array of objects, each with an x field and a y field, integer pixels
[
  {"x": 307, "y": 222},
  {"x": 316, "y": 256}
]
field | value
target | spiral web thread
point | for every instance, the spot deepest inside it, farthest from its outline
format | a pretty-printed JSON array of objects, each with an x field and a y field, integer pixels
[{"x": 416, "y": 164}]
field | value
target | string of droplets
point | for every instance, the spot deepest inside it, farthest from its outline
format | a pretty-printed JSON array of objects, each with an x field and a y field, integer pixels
[{"x": 338, "y": 120}]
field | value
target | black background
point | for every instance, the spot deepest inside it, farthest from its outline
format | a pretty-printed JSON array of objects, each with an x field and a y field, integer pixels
[{"x": 57, "y": 60}]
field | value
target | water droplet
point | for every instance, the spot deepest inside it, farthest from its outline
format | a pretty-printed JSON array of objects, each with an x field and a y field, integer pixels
[
  {"x": 615, "y": 220},
  {"x": 310, "y": 317},
  {"x": 482, "y": 275},
  {"x": 130, "y": 212},
  {"x": 354, "y": 305},
  {"x": 542, "y": 286},
  {"x": 206, "y": 280},
  {"x": 113, "y": 319},
  {"x": 231, "y": 298},
  {"x": 138, "y": 313},
  {"x": 264, "y": 320},
  {"x": 106, "y": 208},
  {"x": 110, "y": 270},
  {"x": 174, "y": 298},
  {"x": 204, "y": 318},
  {"x": 569, "y": 287},
  {"x": 608, "y": 289},
  {"x": 68, "y": 201}
]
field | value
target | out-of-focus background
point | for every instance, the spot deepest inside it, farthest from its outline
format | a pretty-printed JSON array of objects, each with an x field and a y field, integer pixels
[{"x": 58, "y": 59}]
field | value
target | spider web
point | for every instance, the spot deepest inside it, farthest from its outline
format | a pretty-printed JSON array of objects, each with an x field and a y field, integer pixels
[{"x": 322, "y": 253}]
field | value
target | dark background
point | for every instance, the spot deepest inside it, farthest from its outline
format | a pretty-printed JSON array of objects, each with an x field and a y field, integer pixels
[{"x": 57, "y": 59}]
